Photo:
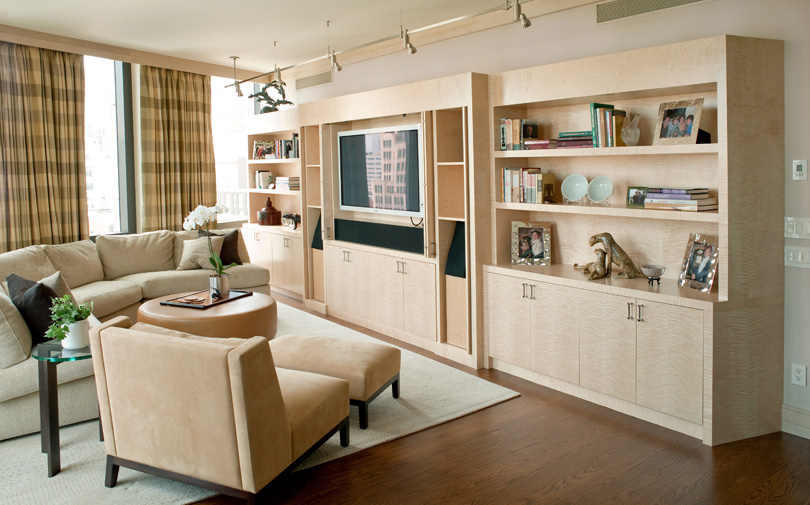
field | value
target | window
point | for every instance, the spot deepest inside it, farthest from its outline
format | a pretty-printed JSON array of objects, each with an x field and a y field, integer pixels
[
  {"x": 108, "y": 146},
  {"x": 228, "y": 123}
]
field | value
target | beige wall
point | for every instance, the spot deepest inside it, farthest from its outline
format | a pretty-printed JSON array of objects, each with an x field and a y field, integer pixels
[{"x": 574, "y": 34}]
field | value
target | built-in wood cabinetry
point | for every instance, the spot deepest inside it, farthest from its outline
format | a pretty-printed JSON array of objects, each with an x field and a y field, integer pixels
[
  {"x": 669, "y": 354},
  {"x": 279, "y": 250}
]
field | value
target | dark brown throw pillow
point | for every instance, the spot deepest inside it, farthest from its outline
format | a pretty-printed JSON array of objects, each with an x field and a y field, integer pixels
[
  {"x": 230, "y": 246},
  {"x": 33, "y": 300}
]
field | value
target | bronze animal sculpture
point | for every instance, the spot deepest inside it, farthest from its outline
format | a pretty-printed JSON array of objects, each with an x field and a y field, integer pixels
[
  {"x": 272, "y": 105},
  {"x": 616, "y": 256},
  {"x": 594, "y": 269}
]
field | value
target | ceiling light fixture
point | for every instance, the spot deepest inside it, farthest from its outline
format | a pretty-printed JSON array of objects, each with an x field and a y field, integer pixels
[
  {"x": 519, "y": 16},
  {"x": 235, "y": 80},
  {"x": 406, "y": 42}
]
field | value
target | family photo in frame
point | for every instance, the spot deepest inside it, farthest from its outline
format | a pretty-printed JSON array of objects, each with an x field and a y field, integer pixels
[
  {"x": 531, "y": 243},
  {"x": 678, "y": 122},
  {"x": 699, "y": 263}
]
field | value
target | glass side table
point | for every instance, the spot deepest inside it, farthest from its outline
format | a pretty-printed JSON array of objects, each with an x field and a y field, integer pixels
[{"x": 49, "y": 354}]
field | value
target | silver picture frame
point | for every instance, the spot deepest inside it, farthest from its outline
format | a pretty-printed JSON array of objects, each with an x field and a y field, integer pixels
[
  {"x": 531, "y": 243},
  {"x": 699, "y": 266}
]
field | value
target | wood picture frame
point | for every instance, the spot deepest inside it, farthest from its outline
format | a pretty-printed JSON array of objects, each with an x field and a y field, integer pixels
[
  {"x": 531, "y": 243},
  {"x": 699, "y": 262},
  {"x": 678, "y": 122},
  {"x": 636, "y": 195}
]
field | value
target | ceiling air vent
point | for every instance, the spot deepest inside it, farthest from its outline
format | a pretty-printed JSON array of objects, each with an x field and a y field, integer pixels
[
  {"x": 618, "y": 9},
  {"x": 313, "y": 80}
]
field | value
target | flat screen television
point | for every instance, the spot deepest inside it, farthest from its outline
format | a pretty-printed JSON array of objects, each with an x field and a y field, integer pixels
[{"x": 380, "y": 170}]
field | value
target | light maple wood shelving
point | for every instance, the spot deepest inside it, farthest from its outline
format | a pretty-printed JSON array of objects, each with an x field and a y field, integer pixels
[{"x": 654, "y": 352}]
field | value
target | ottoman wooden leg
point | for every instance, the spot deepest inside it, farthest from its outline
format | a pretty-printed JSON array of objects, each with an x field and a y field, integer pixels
[
  {"x": 363, "y": 406},
  {"x": 344, "y": 434},
  {"x": 395, "y": 387}
]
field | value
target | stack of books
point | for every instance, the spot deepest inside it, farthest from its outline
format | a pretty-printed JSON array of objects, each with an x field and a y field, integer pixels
[
  {"x": 568, "y": 140},
  {"x": 694, "y": 200},
  {"x": 540, "y": 144},
  {"x": 527, "y": 185},
  {"x": 288, "y": 183},
  {"x": 606, "y": 125},
  {"x": 275, "y": 149},
  {"x": 514, "y": 132}
]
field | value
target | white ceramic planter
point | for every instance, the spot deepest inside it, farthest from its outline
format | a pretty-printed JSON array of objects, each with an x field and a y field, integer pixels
[{"x": 78, "y": 335}]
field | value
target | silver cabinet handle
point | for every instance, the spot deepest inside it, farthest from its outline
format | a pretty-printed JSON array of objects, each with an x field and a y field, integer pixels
[
  {"x": 399, "y": 270},
  {"x": 524, "y": 289},
  {"x": 532, "y": 287},
  {"x": 328, "y": 232},
  {"x": 639, "y": 319},
  {"x": 629, "y": 310},
  {"x": 403, "y": 268}
]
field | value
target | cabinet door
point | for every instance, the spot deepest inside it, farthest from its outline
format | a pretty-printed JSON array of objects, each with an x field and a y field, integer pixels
[
  {"x": 387, "y": 281},
  {"x": 670, "y": 360},
  {"x": 288, "y": 271},
  {"x": 607, "y": 343},
  {"x": 555, "y": 331},
  {"x": 260, "y": 248},
  {"x": 359, "y": 289},
  {"x": 509, "y": 319},
  {"x": 338, "y": 280},
  {"x": 419, "y": 283}
]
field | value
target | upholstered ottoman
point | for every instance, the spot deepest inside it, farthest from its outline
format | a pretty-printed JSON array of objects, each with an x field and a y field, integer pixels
[{"x": 369, "y": 367}]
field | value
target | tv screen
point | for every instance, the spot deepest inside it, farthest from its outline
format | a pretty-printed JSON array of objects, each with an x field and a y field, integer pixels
[{"x": 380, "y": 170}]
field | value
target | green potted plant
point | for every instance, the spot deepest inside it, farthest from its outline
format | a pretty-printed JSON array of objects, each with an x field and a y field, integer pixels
[{"x": 70, "y": 322}]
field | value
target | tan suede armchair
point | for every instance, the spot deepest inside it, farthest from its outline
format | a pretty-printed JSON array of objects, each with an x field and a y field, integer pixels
[{"x": 215, "y": 414}]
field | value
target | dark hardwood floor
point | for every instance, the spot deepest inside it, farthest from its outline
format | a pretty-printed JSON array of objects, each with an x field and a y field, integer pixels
[{"x": 546, "y": 447}]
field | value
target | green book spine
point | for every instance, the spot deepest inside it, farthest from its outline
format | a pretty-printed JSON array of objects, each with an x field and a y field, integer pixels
[
  {"x": 582, "y": 133},
  {"x": 595, "y": 120}
]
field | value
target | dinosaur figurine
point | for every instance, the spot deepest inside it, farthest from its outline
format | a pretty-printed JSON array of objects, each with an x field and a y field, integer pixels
[
  {"x": 615, "y": 255},
  {"x": 272, "y": 105},
  {"x": 594, "y": 269}
]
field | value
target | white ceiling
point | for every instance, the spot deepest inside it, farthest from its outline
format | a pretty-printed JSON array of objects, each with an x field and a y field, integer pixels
[{"x": 211, "y": 31}]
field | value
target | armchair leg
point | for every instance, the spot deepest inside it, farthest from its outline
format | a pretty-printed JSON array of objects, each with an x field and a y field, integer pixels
[
  {"x": 111, "y": 479},
  {"x": 344, "y": 435},
  {"x": 395, "y": 387},
  {"x": 363, "y": 414}
]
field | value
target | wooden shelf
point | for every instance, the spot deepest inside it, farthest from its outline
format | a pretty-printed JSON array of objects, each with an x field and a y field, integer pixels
[
  {"x": 274, "y": 161},
  {"x": 274, "y": 192},
  {"x": 610, "y": 151},
  {"x": 450, "y": 164},
  {"x": 313, "y": 166},
  {"x": 612, "y": 211},
  {"x": 450, "y": 218},
  {"x": 313, "y": 206}
]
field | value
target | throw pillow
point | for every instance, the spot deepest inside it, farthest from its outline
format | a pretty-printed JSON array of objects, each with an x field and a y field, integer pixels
[
  {"x": 230, "y": 246},
  {"x": 15, "y": 337},
  {"x": 33, "y": 300},
  {"x": 196, "y": 253}
]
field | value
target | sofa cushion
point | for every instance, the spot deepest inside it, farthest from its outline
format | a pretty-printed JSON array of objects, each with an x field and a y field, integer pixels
[
  {"x": 128, "y": 254},
  {"x": 29, "y": 263},
  {"x": 108, "y": 296},
  {"x": 22, "y": 379},
  {"x": 78, "y": 262},
  {"x": 196, "y": 253},
  {"x": 33, "y": 300},
  {"x": 157, "y": 284},
  {"x": 15, "y": 337},
  {"x": 179, "y": 238},
  {"x": 230, "y": 245}
]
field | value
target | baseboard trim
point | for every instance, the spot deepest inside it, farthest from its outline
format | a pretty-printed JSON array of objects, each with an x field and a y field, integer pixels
[{"x": 796, "y": 421}]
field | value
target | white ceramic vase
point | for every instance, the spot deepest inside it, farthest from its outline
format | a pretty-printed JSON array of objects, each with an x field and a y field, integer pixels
[
  {"x": 218, "y": 286},
  {"x": 78, "y": 335}
]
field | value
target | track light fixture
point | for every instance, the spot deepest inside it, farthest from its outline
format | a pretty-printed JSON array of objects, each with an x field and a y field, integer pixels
[
  {"x": 406, "y": 42},
  {"x": 335, "y": 65},
  {"x": 519, "y": 16},
  {"x": 277, "y": 71},
  {"x": 235, "y": 80}
]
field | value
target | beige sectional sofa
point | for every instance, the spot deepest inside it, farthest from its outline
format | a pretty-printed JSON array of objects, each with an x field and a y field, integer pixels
[{"x": 117, "y": 274}]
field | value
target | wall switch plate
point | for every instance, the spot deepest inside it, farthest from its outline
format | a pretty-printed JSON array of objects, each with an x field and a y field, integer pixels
[
  {"x": 797, "y": 257},
  {"x": 799, "y": 170},
  {"x": 798, "y": 374}
]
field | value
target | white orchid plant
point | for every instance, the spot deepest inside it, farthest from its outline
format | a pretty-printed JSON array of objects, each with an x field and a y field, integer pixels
[{"x": 203, "y": 216}]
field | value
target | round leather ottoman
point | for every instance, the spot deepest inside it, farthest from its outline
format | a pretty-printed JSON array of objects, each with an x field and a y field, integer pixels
[{"x": 245, "y": 317}]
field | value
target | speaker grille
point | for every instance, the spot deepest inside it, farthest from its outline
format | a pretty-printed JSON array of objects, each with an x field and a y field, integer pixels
[
  {"x": 313, "y": 80},
  {"x": 619, "y": 9}
]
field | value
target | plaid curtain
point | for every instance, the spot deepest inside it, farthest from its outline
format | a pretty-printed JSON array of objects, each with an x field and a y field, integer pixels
[
  {"x": 178, "y": 170},
  {"x": 43, "y": 196}
]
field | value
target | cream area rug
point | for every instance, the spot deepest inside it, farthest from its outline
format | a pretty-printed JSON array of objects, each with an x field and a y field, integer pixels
[{"x": 430, "y": 393}]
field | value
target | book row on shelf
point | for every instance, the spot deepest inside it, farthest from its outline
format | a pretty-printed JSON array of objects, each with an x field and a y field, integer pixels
[
  {"x": 694, "y": 199},
  {"x": 267, "y": 180},
  {"x": 606, "y": 125},
  {"x": 276, "y": 149},
  {"x": 515, "y": 133},
  {"x": 527, "y": 185}
]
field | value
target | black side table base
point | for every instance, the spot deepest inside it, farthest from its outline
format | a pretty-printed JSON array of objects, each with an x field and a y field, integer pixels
[{"x": 49, "y": 415}]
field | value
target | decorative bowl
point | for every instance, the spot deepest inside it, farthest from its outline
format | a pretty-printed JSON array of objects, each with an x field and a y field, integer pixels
[
  {"x": 653, "y": 270},
  {"x": 574, "y": 187},
  {"x": 600, "y": 189}
]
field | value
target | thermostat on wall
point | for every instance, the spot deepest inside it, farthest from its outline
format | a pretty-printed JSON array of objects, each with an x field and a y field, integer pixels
[{"x": 799, "y": 170}]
